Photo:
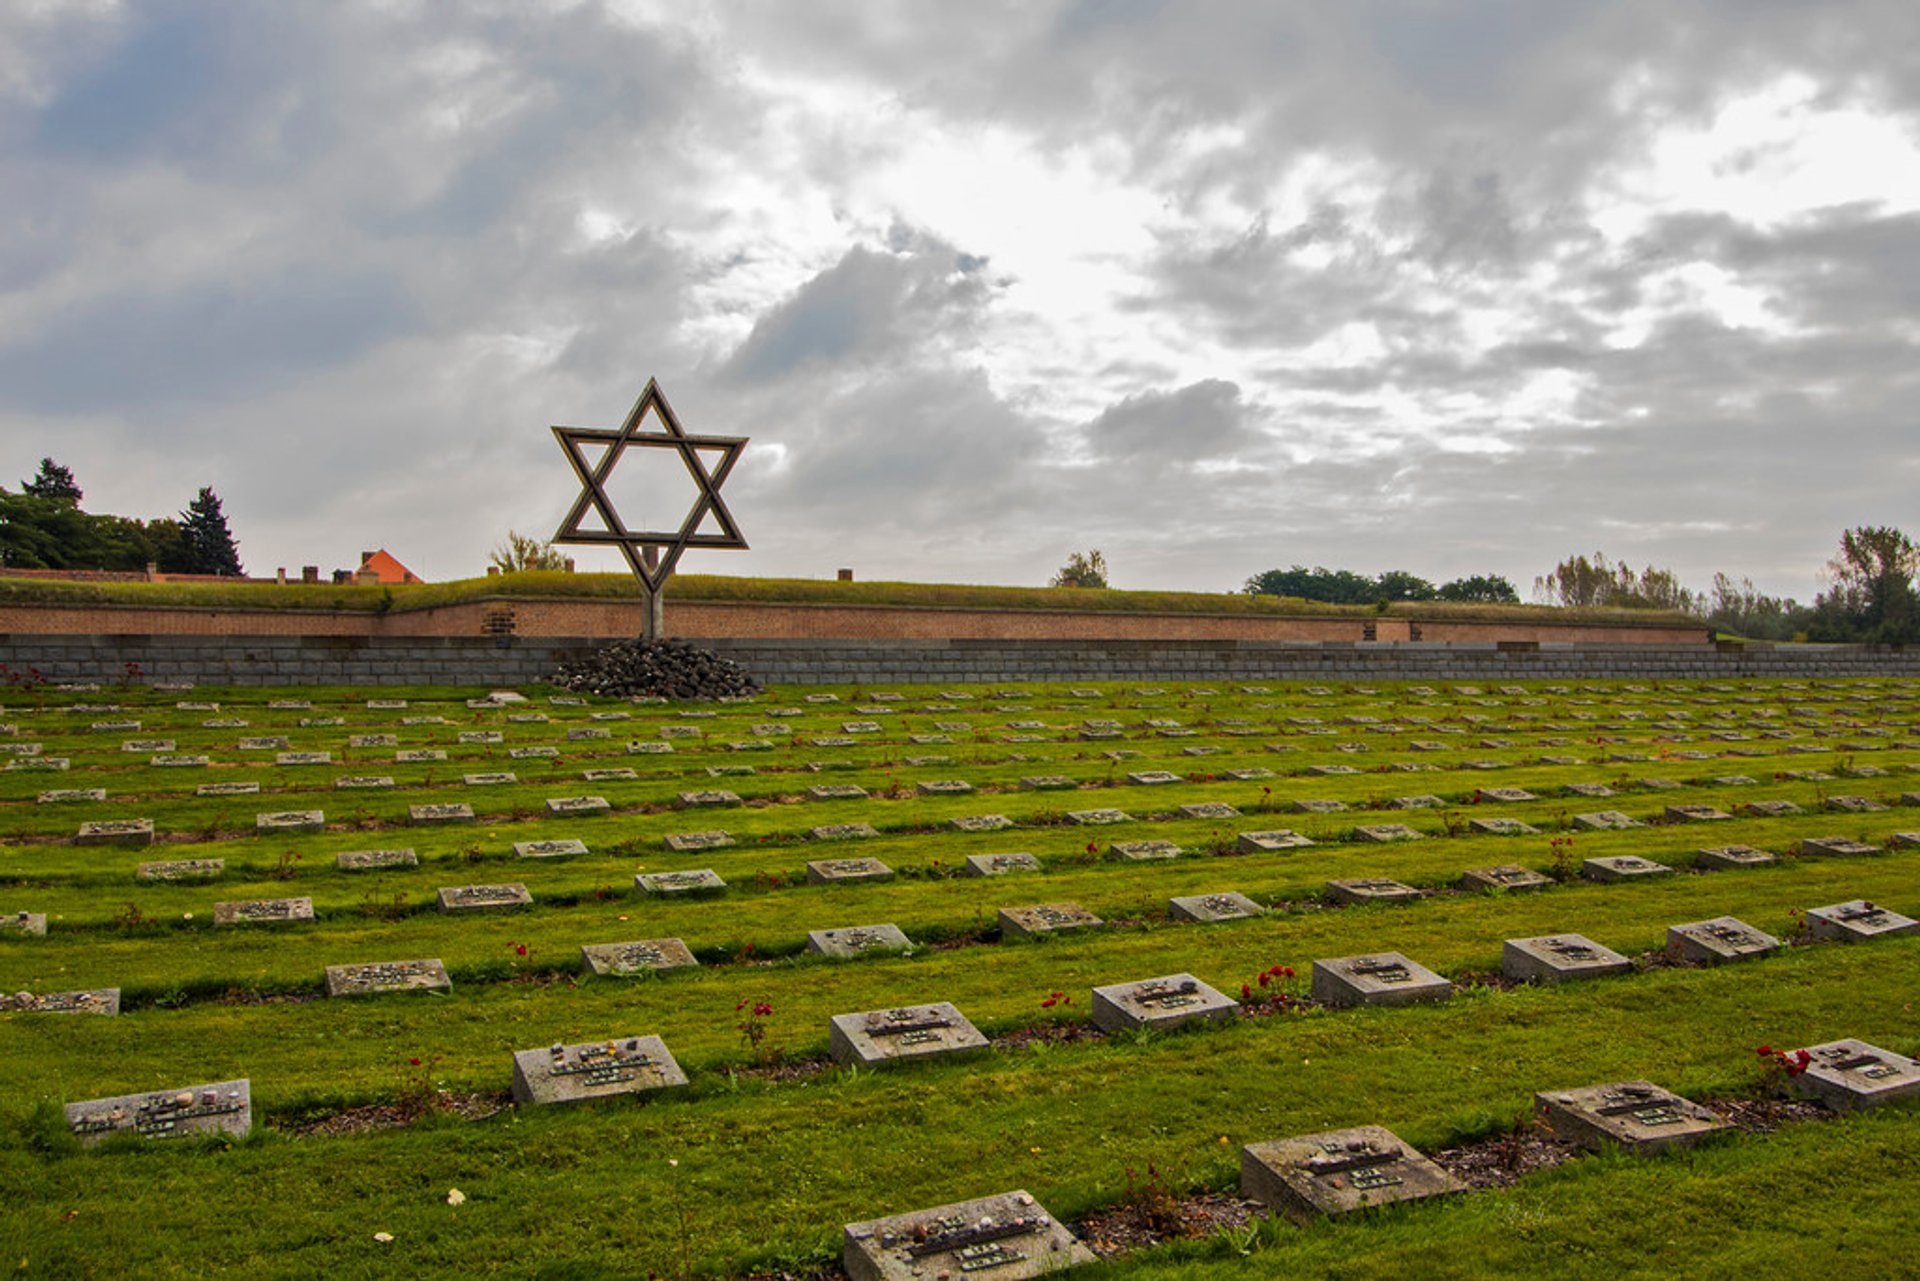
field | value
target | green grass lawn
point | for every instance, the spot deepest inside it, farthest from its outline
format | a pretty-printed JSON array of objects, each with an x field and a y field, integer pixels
[{"x": 751, "y": 1168}]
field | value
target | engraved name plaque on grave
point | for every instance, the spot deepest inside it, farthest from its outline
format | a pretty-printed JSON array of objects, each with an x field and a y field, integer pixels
[
  {"x": 642, "y": 956},
  {"x": 1381, "y": 978},
  {"x": 1382, "y": 833},
  {"x": 548, "y": 849},
  {"x": 1165, "y": 1002},
  {"x": 1008, "y": 1237},
  {"x": 669, "y": 884},
  {"x": 1270, "y": 842},
  {"x": 1045, "y": 918},
  {"x": 264, "y": 911},
  {"x": 1836, "y": 847},
  {"x": 222, "y": 1106},
  {"x": 1144, "y": 851},
  {"x": 858, "y": 940},
  {"x": 578, "y": 806},
  {"x": 181, "y": 869},
  {"x": 1724, "y": 857},
  {"x": 1502, "y": 827},
  {"x": 594, "y": 1070},
  {"x": 376, "y": 977},
  {"x": 100, "y": 1000},
  {"x": 1339, "y": 1172},
  {"x": 1207, "y": 908},
  {"x": 1723, "y": 938},
  {"x": 1606, "y": 821},
  {"x": 835, "y": 871},
  {"x": 1555, "y": 958},
  {"x": 482, "y": 898},
  {"x": 442, "y": 812},
  {"x": 1097, "y": 818},
  {"x": 1509, "y": 876},
  {"x": 999, "y": 864},
  {"x": 1637, "y": 1116},
  {"x": 713, "y": 798},
  {"x": 369, "y": 860},
  {"x": 1859, "y": 919},
  {"x": 1621, "y": 867},
  {"x": 132, "y": 832},
  {"x": 875, "y": 1037},
  {"x": 980, "y": 823},
  {"x": 1847, "y": 1075},
  {"x": 68, "y": 795},
  {"x": 694, "y": 842},
  {"x": 843, "y": 832},
  {"x": 290, "y": 821}
]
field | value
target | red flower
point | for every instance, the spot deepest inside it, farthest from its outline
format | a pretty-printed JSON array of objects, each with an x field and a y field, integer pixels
[
  {"x": 1047, "y": 1004},
  {"x": 740, "y": 1005},
  {"x": 1266, "y": 977},
  {"x": 1765, "y": 1051},
  {"x": 413, "y": 1062},
  {"x": 519, "y": 949},
  {"x": 1246, "y": 992},
  {"x": 762, "y": 1010},
  {"x": 1093, "y": 847}
]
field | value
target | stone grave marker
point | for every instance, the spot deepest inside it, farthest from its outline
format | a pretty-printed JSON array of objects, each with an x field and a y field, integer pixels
[
  {"x": 263, "y": 911},
  {"x": 1382, "y": 833},
  {"x": 1415, "y": 803},
  {"x": 618, "y": 774},
  {"x": 1854, "y": 805},
  {"x": 99, "y": 1000},
  {"x": 1098, "y": 818},
  {"x": 1270, "y": 842},
  {"x": 1376, "y": 889},
  {"x": 484, "y": 898},
  {"x": 1381, "y": 978},
  {"x": 1502, "y": 827},
  {"x": 481, "y": 736},
  {"x": 303, "y": 758},
  {"x": 943, "y": 787},
  {"x": 187, "y": 761},
  {"x": 1904, "y": 840},
  {"x": 373, "y": 740},
  {"x": 53, "y": 763},
  {"x": 357, "y": 782},
  {"x": 1835, "y": 847},
  {"x": 532, "y": 753},
  {"x": 649, "y": 749},
  {"x": 1636, "y": 1116},
  {"x": 1048, "y": 783},
  {"x": 713, "y": 798},
  {"x": 594, "y": 1070},
  {"x": 853, "y": 941},
  {"x": 1725, "y": 857},
  {"x": 731, "y": 771},
  {"x": 588, "y": 733},
  {"x": 1511, "y": 795},
  {"x": 1144, "y": 851},
  {"x": 1210, "y": 809},
  {"x": 999, "y": 864},
  {"x": 492, "y": 778},
  {"x": 843, "y": 832},
  {"x": 836, "y": 792},
  {"x": 1695, "y": 814},
  {"x": 188, "y": 1112},
  {"x": 670, "y": 884},
  {"x": 1555, "y": 958},
  {"x": 1248, "y": 775},
  {"x": 131, "y": 832},
  {"x": 873, "y": 1038},
  {"x": 1724, "y": 938},
  {"x": 1045, "y": 918},
  {"x": 1008, "y": 1237},
  {"x": 577, "y": 806},
  {"x": 549, "y": 848},
  {"x": 1331, "y": 771},
  {"x": 980, "y": 822},
  {"x": 184, "y": 869},
  {"x": 642, "y": 956},
  {"x": 377, "y": 977},
  {"x": 70, "y": 795},
  {"x": 1605, "y": 821},
  {"x": 1771, "y": 809},
  {"x": 34, "y": 923},
  {"x": 1206, "y": 909},
  {"x": 1589, "y": 790},
  {"x": 1319, "y": 807},
  {"x": 418, "y": 755},
  {"x": 268, "y": 743},
  {"x": 694, "y": 842},
  {"x": 1339, "y": 1172},
  {"x": 369, "y": 860},
  {"x": 1848, "y": 1075},
  {"x": 286, "y": 821},
  {"x": 1621, "y": 867},
  {"x": 439, "y": 813},
  {"x": 1152, "y": 777},
  {"x": 1168, "y": 1002},
  {"x": 835, "y": 871}
]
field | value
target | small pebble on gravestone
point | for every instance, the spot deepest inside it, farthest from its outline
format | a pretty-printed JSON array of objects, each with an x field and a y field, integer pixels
[
  {"x": 853, "y": 941},
  {"x": 642, "y": 956},
  {"x": 186, "y": 1112},
  {"x": 1637, "y": 1117},
  {"x": 369, "y": 860},
  {"x": 835, "y": 871},
  {"x": 1621, "y": 867},
  {"x": 482, "y": 898},
  {"x": 376, "y": 977},
  {"x": 873, "y": 1038},
  {"x": 1167, "y": 1002},
  {"x": 1339, "y": 1172},
  {"x": 698, "y": 881},
  {"x": 1382, "y": 978},
  {"x": 1045, "y": 918},
  {"x": 594, "y": 1070},
  {"x": 999, "y": 864},
  {"x": 1724, "y": 938},
  {"x": 1556, "y": 958}
]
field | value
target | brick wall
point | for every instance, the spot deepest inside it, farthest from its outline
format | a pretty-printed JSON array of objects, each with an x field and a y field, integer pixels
[{"x": 518, "y": 660}]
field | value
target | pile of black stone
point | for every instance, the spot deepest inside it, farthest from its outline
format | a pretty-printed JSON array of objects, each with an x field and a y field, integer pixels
[{"x": 656, "y": 669}]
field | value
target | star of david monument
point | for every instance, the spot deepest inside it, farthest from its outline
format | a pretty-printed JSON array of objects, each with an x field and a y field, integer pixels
[{"x": 651, "y": 553}]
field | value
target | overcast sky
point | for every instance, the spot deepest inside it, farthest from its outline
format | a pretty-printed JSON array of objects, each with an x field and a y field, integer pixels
[{"x": 1450, "y": 288}]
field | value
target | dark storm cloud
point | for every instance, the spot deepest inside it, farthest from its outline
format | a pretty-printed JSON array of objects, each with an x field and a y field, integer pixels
[{"x": 1194, "y": 423}]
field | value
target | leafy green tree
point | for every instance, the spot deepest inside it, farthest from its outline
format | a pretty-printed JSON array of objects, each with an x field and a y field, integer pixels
[
  {"x": 1398, "y": 584},
  {"x": 52, "y": 481},
  {"x": 1580, "y": 583},
  {"x": 1329, "y": 586},
  {"x": 519, "y": 552},
  {"x": 1483, "y": 589},
  {"x": 1089, "y": 570},
  {"x": 209, "y": 544},
  {"x": 1872, "y": 593}
]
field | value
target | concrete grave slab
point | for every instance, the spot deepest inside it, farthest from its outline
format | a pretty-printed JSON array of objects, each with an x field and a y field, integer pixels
[
  {"x": 853, "y": 941},
  {"x": 362, "y": 782},
  {"x": 1771, "y": 809},
  {"x": 1045, "y": 918},
  {"x": 1856, "y": 920},
  {"x": 1849, "y": 1075},
  {"x": 1695, "y": 814},
  {"x": 188, "y": 1112},
  {"x": 549, "y": 848},
  {"x": 286, "y": 821},
  {"x": 1415, "y": 803},
  {"x": 370, "y": 860},
  {"x": 836, "y": 871},
  {"x": 1384, "y": 833},
  {"x": 836, "y": 792},
  {"x": 1509, "y": 795},
  {"x": 1726, "y": 857},
  {"x": 943, "y": 787},
  {"x": 693, "y": 881},
  {"x": 1339, "y": 1172},
  {"x": 1502, "y": 827},
  {"x": 1144, "y": 851},
  {"x": 873, "y": 1038},
  {"x": 1854, "y": 805},
  {"x": 33, "y": 923},
  {"x": 263, "y": 911},
  {"x": 1206, "y": 909},
  {"x": 1319, "y": 807},
  {"x": 303, "y": 758},
  {"x": 1622, "y": 867},
  {"x": 1712, "y": 942},
  {"x": 1634, "y": 1116},
  {"x": 1380, "y": 978},
  {"x": 694, "y": 842},
  {"x": 492, "y": 778},
  {"x": 999, "y": 864},
  {"x": 1008, "y": 1237},
  {"x": 227, "y": 789},
  {"x": 100, "y": 1000},
  {"x": 1606, "y": 821},
  {"x": 1271, "y": 842},
  {"x": 980, "y": 823},
  {"x": 375, "y": 978},
  {"x": 131, "y": 832},
  {"x": 843, "y": 832},
  {"x": 577, "y": 806},
  {"x": 1835, "y": 847},
  {"x": 618, "y": 774},
  {"x": 1098, "y": 818},
  {"x": 594, "y": 1070},
  {"x": 642, "y": 956},
  {"x": 484, "y": 898},
  {"x": 419, "y": 755},
  {"x": 1556, "y": 958},
  {"x": 713, "y": 798},
  {"x": 1168, "y": 1002},
  {"x": 1376, "y": 889},
  {"x": 1048, "y": 783},
  {"x": 440, "y": 814},
  {"x": 181, "y": 869},
  {"x": 1210, "y": 809},
  {"x": 1153, "y": 778}
]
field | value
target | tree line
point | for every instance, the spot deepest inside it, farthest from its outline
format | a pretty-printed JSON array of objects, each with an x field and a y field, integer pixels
[
  {"x": 1344, "y": 587},
  {"x": 43, "y": 527}
]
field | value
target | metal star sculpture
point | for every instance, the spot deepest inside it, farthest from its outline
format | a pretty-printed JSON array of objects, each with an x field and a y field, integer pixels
[{"x": 651, "y": 553}]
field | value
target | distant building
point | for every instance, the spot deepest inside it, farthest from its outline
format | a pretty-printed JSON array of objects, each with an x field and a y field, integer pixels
[{"x": 381, "y": 567}]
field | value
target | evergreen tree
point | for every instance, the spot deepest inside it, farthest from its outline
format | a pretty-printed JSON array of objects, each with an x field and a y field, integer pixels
[
  {"x": 210, "y": 546},
  {"x": 52, "y": 481}
]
